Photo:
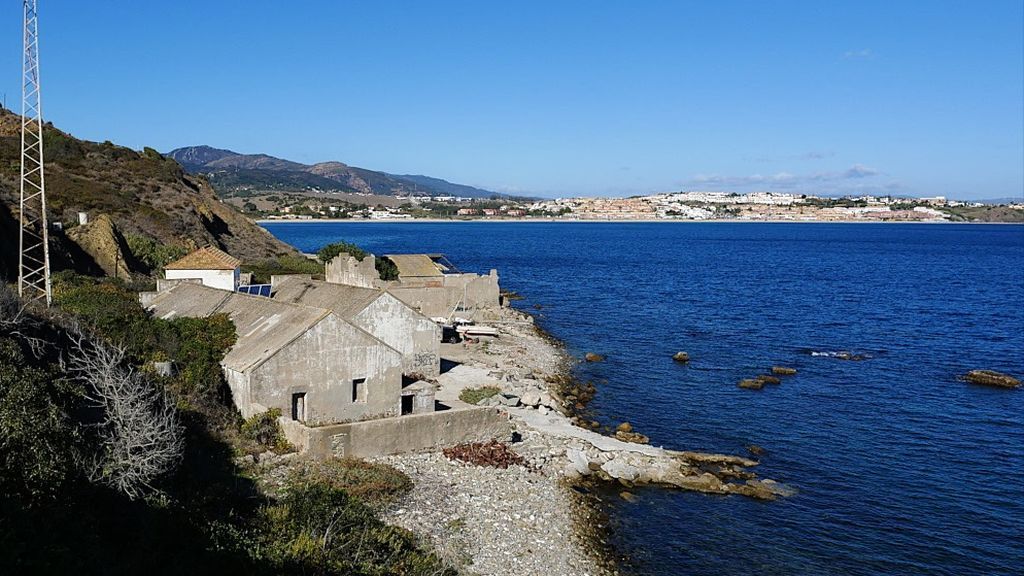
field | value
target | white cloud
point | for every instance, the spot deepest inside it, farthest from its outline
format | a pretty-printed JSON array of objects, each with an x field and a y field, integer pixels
[
  {"x": 862, "y": 54},
  {"x": 855, "y": 178}
]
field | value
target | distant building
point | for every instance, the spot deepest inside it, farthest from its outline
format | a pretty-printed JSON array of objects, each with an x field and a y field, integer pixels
[
  {"x": 214, "y": 268},
  {"x": 310, "y": 363},
  {"x": 467, "y": 212}
]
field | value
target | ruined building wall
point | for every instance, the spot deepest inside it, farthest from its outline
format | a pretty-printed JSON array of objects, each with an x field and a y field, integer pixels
[{"x": 344, "y": 269}]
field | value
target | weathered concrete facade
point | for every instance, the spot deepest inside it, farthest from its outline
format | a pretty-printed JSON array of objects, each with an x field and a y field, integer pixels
[
  {"x": 426, "y": 285},
  {"x": 345, "y": 269},
  {"x": 308, "y": 362},
  {"x": 378, "y": 312},
  {"x": 415, "y": 433}
]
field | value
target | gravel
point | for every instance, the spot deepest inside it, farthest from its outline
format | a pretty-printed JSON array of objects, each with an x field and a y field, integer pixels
[{"x": 491, "y": 521}]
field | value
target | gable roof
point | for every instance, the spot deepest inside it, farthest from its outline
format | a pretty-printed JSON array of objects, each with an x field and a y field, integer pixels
[
  {"x": 264, "y": 326},
  {"x": 344, "y": 300},
  {"x": 208, "y": 258},
  {"x": 415, "y": 265}
]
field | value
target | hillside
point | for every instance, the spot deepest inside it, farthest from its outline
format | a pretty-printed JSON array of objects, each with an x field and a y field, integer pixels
[
  {"x": 151, "y": 200},
  {"x": 235, "y": 174}
]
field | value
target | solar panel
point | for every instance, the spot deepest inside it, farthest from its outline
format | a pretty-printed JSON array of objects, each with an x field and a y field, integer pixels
[{"x": 256, "y": 290}]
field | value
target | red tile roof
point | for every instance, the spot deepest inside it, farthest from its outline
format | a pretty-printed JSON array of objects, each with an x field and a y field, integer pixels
[{"x": 208, "y": 258}]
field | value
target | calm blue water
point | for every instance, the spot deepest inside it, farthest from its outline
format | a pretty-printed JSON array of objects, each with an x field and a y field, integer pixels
[{"x": 901, "y": 468}]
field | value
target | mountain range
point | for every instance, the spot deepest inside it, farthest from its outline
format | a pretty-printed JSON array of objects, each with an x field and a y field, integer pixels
[{"x": 231, "y": 172}]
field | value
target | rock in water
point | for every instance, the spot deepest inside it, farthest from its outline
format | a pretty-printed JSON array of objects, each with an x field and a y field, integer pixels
[
  {"x": 783, "y": 370},
  {"x": 769, "y": 379},
  {"x": 624, "y": 427},
  {"x": 591, "y": 357},
  {"x": 756, "y": 450},
  {"x": 751, "y": 384},
  {"x": 634, "y": 437},
  {"x": 991, "y": 378},
  {"x": 627, "y": 496},
  {"x": 681, "y": 357}
]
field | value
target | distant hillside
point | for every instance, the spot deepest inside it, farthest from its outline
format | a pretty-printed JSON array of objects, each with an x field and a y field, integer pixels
[
  {"x": 232, "y": 173},
  {"x": 150, "y": 199},
  {"x": 443, "y": 186}
]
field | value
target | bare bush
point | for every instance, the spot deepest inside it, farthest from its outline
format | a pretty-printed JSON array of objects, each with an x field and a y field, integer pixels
[
  {"x": 141, "y": 436},
  {"x": 16, "y": 321}
]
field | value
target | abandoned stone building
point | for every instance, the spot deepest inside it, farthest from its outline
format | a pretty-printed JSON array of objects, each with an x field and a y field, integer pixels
[
  {"x": 314, "y": 365},
  {"x": 381, "y": 314},
  {"x": 428, "y": 283}
]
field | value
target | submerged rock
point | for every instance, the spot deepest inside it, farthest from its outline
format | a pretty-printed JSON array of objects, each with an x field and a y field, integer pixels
[
  {"x": 624, "y": 427},
  {"x": 681, "y": 357},
  {"x": 756, "y": 450},
  {"x": 751, "y": 384},
  {"x": 768, "y": 379},
  {"x": 592, "y": 357},
  {"x": 992, "y": 378},
  {"x": 783, "y": 370}
]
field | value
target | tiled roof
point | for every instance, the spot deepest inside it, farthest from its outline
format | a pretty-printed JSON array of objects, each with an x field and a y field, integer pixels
[{"x": 208, "y": 258}]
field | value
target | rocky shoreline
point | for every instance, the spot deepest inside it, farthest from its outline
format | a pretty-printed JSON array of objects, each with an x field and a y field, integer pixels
[{"x": 534, "y": 518}]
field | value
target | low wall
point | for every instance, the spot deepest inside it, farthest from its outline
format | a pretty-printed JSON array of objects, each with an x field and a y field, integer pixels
[{"x": 412, "y": 433}]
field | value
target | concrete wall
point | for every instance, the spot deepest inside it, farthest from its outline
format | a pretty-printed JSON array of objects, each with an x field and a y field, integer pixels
[
  {"x": 344, "y": 269},
  {"x": 414, "y": 433},
  {"x": 414, "y": 335},
  {"x": 220, "y": 279},
  {"x": 432, "y": 302},
  {"x": 322, "y": 363},
  {"x": 476, "y": 290},
  {"x": 439, "y": 296}
]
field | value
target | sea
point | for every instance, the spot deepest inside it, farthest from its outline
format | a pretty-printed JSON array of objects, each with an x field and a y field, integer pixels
[{"x": 900, "y": 466}]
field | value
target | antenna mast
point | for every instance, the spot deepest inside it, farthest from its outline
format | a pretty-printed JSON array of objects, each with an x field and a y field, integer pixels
[{"x": 33, "y": 243}]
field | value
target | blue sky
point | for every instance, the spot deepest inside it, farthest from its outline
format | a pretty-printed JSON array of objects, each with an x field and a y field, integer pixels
[{"x": 558, "y": 98}]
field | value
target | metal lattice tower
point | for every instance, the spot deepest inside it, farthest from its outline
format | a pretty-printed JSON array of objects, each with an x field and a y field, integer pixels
[{"x": 34, "y": 259}]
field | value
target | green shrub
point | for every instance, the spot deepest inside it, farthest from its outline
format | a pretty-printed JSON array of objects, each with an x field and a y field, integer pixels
[
  {"x": 153, "y": 253},
  {"x": 36, "y": 435},
  {"x": 107, "y": 307},
  {"x": 263, "y": 431},
  {"x": 387, "y": 269},
  {"x": 326, "y": 531},
  {"x": 262, "y": 271},
  {"x": 327, "y": 253},
  {"x": 475, "y": 395},
  {"x": 197, "y": 345},
  {"x": 370, "y": 482}
]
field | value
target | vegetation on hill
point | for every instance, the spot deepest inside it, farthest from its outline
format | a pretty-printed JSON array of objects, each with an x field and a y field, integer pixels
[
  {"x": 80, "y": 493},
  {"x": 147, "y": 196}
]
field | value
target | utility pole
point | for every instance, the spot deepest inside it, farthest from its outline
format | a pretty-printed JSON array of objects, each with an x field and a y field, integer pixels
[{"x": 33, "y": 243}]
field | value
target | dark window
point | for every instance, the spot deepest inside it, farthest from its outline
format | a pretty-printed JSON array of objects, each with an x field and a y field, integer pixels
[
  {"x": 299, "y": 406},
  {"x": 359, "y": 390},
  {"x": 407, "y": 404}
]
